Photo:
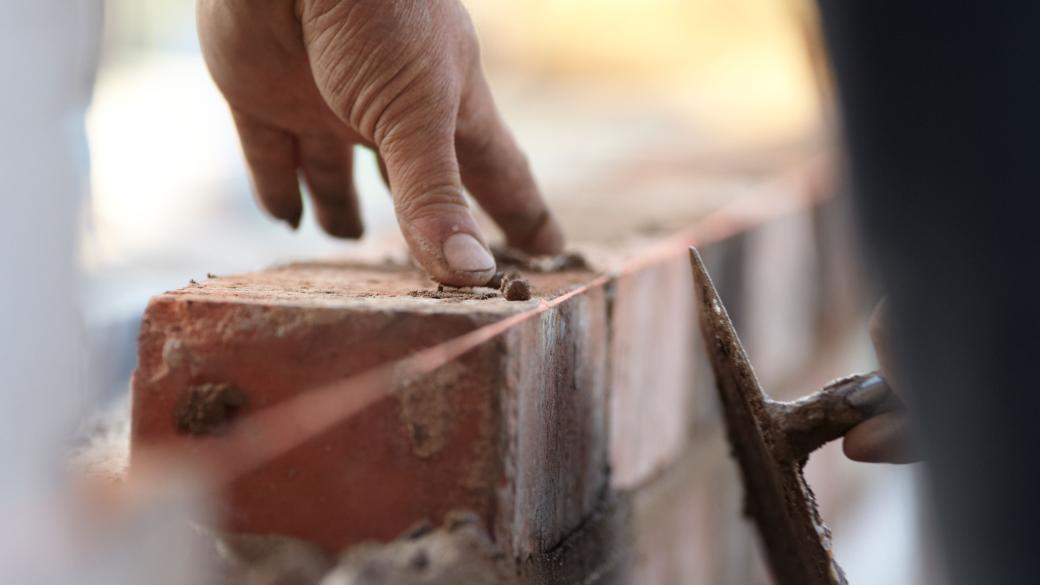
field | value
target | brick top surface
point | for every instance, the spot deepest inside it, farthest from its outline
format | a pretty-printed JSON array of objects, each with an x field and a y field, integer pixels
[{"x": 352, "y": 286}]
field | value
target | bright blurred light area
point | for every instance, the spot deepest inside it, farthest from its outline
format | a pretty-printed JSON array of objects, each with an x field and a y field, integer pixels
[
  {"x": 150, "y": 170},
  {"x": 735, "y": 69}
]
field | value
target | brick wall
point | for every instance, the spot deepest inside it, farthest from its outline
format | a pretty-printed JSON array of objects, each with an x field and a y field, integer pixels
[{"x": 586, "y": 415}]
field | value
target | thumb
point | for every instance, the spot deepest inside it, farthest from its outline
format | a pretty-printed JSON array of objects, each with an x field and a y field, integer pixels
[{"x": 423, "y": 171}]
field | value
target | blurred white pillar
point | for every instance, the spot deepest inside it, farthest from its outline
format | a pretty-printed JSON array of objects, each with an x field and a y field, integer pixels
[
  {"x": 48, "y": 53},
  {"x": 48, "y": 58}
]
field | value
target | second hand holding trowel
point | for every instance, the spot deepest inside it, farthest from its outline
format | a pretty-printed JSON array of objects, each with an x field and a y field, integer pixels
[{"x": 772, "y": 440}]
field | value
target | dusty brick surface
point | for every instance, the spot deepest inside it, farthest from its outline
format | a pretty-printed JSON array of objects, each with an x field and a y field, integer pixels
[
  {"x": 554, "y": 401},
  {"x": 446, "y": 440},
  {"x": 652, "y": 336}
]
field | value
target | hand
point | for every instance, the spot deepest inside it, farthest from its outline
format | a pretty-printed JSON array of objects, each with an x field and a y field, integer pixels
[
  {"x": 306, "y": 80},
  {"x": 884, "y": 438}
]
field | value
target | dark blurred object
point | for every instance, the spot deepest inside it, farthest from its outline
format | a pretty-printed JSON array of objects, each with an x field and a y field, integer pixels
[{"x": 941, "y": 108}]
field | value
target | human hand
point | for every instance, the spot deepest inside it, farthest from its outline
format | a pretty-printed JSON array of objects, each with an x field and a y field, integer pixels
[
  {"x": 884, "y": 438},
  {"x": 307, "y": 80}
]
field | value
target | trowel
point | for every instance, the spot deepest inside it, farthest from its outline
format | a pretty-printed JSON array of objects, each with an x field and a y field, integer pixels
[{"x": 772, "y": 440}]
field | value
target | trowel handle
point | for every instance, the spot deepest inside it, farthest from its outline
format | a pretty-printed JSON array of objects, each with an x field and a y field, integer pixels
[{"x": 827, "y": 414}]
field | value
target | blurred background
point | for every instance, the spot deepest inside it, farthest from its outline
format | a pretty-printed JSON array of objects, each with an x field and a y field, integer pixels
[{"x": 591, "y": 88}]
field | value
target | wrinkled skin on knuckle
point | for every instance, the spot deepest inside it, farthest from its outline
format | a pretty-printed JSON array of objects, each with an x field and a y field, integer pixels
[
  {"x": 376, "y": 59},
  {"x": 426, "y": 110},
  {"x": 416, "y": 191},
  {"x": 435, "y": 203}
]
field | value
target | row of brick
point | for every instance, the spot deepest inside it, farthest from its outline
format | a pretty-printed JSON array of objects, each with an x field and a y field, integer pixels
[{"x": 538, "y": 411}]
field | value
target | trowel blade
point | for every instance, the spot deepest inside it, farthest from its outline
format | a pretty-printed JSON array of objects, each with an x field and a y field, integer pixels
[{"x": 797, "y": 544}]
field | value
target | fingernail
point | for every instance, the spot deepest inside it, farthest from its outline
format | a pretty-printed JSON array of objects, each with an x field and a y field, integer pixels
[
  {"x": 873, "y": 392},
  {"x": 465, "y": 253}
]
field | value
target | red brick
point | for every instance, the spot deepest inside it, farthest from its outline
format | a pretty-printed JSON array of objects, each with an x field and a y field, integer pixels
[
  {"x": 476, "y": 433},
  {"x": 652, "y": 358}
]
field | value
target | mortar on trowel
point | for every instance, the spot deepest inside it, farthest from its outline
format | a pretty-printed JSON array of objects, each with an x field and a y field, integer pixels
[{"x": 772, "y": 440}]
